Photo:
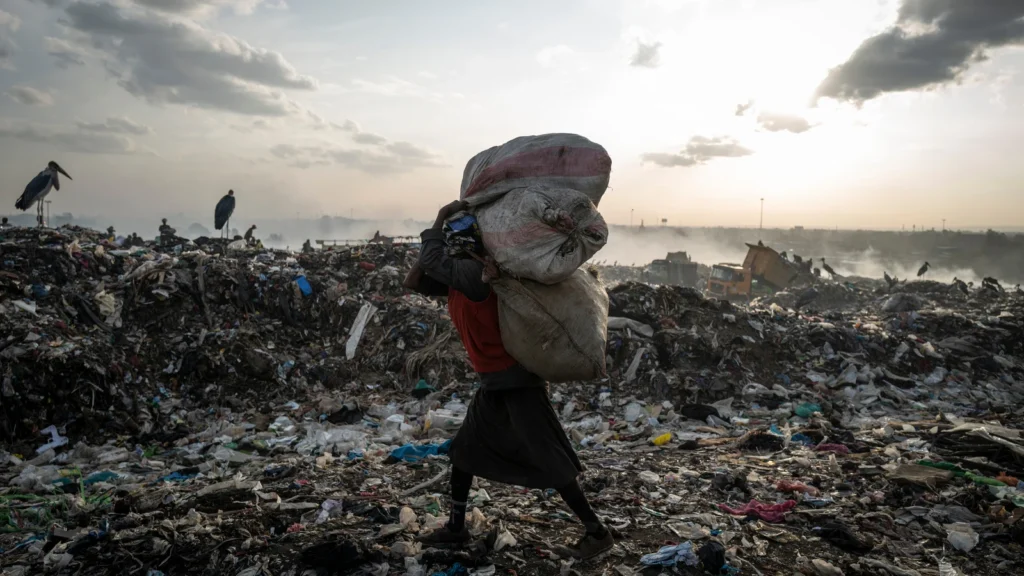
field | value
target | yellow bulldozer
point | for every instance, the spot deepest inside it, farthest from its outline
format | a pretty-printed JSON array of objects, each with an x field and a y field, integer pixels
[{"x": 763, "y": 271}]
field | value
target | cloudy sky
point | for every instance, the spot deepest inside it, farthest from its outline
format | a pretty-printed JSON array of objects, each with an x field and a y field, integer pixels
[{"x": 849, "y": 113}]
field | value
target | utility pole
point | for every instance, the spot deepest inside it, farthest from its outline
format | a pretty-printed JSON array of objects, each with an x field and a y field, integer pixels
[
  {"x": 630, "y": 218},
  {"x": 760, "y": 225},
  {"x": 943, "y": 224}
]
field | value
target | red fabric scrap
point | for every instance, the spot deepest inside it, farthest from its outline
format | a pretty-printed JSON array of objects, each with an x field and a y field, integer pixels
[
  {"x": 768, "y": 512},
  {"x": 787, "y": 486}
]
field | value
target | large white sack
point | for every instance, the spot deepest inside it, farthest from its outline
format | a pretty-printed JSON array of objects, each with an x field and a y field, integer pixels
[
  {"x": 558, "y": 160},
  {"x": 558, "y": 332},
  {"x": 542, "y": 233}
]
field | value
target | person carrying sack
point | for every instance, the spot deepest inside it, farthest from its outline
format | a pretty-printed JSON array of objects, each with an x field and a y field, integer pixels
[{"x": 510, "y": 434}]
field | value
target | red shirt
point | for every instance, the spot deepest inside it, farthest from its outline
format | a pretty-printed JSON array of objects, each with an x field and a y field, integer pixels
[{"x": 477, "y": 325}]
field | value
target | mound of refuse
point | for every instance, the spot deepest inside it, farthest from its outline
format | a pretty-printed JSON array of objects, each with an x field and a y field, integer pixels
[{"x": 194, "y": 409}]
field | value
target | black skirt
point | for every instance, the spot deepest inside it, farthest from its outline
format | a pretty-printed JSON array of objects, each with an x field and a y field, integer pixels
[{"x": 514, "y": 437}]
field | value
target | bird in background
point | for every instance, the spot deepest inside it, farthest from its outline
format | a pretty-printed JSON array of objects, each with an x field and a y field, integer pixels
[
  {"x": 39, "y": 188},
  {"x": 827, "y": 268},
  {"x": 889, "y": 280},
  {"x": 222, "y": 214},
  {"x": 784, "y": 255},
  {"x": 990, "y": 282},
  {"x": 961, "y": 286},
  {"x": 924, "y": 269}
]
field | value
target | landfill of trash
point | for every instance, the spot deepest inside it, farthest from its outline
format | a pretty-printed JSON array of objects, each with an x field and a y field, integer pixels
[{"x": 213, "y": 408}]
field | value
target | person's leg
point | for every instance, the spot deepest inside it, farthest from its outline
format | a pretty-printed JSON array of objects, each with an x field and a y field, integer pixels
[
  {"x": 454, "y": 531},
  {"x": 573, "y": 496},
  {"x": 461, "y": 483}
]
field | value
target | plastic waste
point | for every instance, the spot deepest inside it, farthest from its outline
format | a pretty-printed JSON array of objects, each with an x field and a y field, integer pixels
[
  {"x": 663, "y": 439},
  {"x": 633, "y": 411},
  {"x": 807, "y": 409},
  {"x": 672, "y": 555},
  {"x": 962, "y": 536},
  {"x": 56, "y": 440},
  {"x": 443, "y": 419}
]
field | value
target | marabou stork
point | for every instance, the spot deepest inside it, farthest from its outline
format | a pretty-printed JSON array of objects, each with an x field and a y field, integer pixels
[
  {"x": 222, "y": 214},
  {"x": 923, "y": 270},
  {"x": 39, "y": 188},
  {"x": 827, "y": 268}
]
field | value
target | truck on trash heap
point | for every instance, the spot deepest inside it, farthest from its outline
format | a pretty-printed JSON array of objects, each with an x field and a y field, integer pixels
[
  {"x": 676, "y": 269},
  {"x": 763, "y": 271}
]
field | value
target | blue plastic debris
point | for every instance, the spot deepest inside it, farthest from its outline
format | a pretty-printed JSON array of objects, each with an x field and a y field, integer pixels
[
  {"x": 177, "y": 477},
  {"x": 414, "y": 453},
  {"x": 672, "y": 555},
  {"x": 801, "y": 438},
  {"x": 456, "y": 570},
  {"x": 307, "y": 290}
]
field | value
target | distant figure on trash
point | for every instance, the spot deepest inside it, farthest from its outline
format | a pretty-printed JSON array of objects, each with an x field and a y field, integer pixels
[
  {"x": 307, "y": 248},
  {"x": 511, "y": 434},
  {"x": 4, "y": 224},
  {"x": 166, "y": 232},
  {"x": 249, "y": 240},
  {"x": 923, "y": 270}
]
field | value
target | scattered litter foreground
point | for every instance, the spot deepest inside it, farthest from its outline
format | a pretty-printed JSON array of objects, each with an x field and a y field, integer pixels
[{"x": 169, "y": 411}]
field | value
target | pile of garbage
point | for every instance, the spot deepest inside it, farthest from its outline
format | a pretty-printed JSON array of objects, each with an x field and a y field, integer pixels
[
  {"x": 109, "y": 340},
  {"x": 186, "y": 410}
]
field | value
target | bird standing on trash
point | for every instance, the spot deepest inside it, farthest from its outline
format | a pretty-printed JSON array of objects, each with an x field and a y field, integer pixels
[
  {"x": 222, "y": 214},
  {"x": 39, "y": 188},
  {"x": 923, "y": 270},
  {"x": 827, "y": 268},
  {"x": 511, "y": 434},
  {"x": 888, "y": 279},
  {"x": 961, "y": 285}
]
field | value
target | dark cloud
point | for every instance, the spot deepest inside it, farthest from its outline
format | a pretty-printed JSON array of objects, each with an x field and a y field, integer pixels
[
  {"x": 169, "y": 60},
  {"x": 369, "y": 138},
  {"x": 65, "y": 54},
  {"x": 647, "y": 55},
  {"x": 742, "y": 109},
  {"x": 199, "y": 7},
  {"x": 116, "y": 125},
  {"x": 783, "y": 122},
  {"x": 9, "y": 24},
  {"x": 393, "y": 158},
  {"x": 29, "y": 96},
  {"x": 7, "y": 51},
  {"x": 699, "y": 150},
  {"x": 932, "y": 43},
  {"x": 67, "y": 139}
]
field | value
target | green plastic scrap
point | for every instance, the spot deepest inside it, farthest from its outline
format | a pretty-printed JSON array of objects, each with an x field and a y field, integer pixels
[{"x": 961, "y": 473}]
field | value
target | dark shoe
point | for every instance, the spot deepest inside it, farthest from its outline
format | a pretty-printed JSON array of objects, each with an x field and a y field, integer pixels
[
  {"x": 444, "y": 536},
  {"x": 590, "y": 546}
]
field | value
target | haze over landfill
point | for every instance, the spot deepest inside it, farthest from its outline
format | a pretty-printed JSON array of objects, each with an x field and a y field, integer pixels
[{"x": 854, "y": 114}]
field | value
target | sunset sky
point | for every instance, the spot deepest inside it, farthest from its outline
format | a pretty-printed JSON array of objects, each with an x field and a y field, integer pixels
[{"x": 848, "y": 113}]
